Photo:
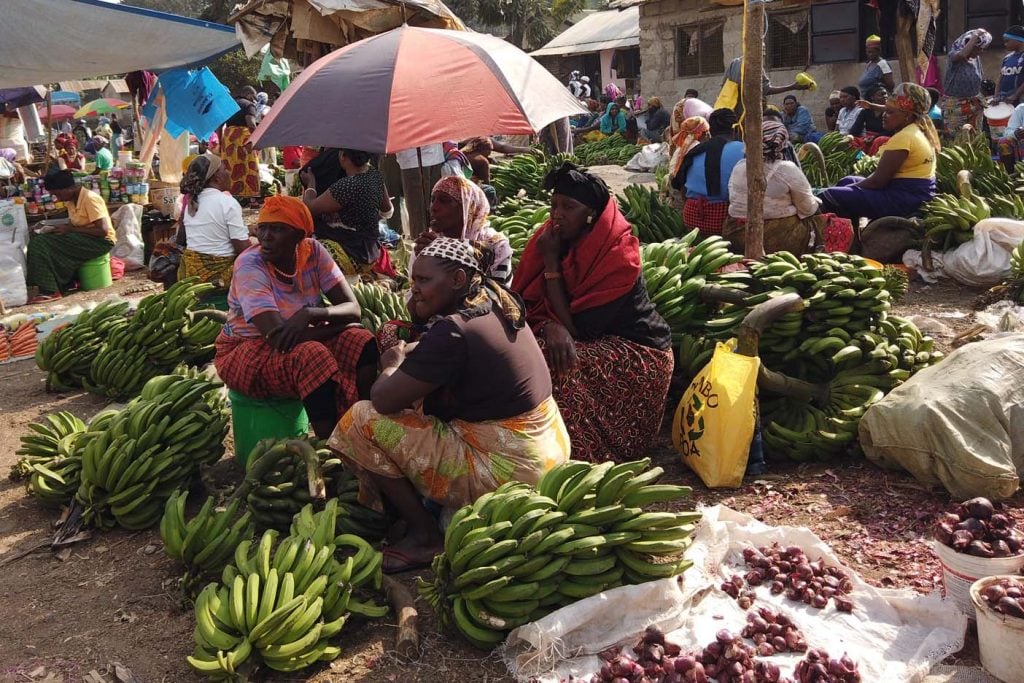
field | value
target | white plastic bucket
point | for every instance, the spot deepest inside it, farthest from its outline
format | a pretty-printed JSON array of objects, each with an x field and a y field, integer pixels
[
  {"x": 1000, "y": 637},
  {"x": 123, "y": 157},
  {"x": 960, "y": 571}
]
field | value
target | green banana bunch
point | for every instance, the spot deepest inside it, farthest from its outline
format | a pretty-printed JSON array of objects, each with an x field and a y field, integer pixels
[
  {"x": 949, "y": 220},
  {"x": 514, "y": 205},
  {"x": 832, "y": 157},
  {"x": 611, "y": 150},
  {"x": 54, "y": 482},
  {"x": 137, "y": 457},
  {"x": 66, "y": 355},
  {"x": 1007, "y": 206},
  {"x": 652, "y": 219},
  {"x": 380, "y": 305},
  {"x": 865, "y": 166},
  {"x": 971, "y": 153},
  {"x": 676, "y": 270},
  {"x": 282, "y": 476},
  {"x": 694, "y": 353},
  {"x": 354, "y": 518},
  {"x": 520, "y": 552},
  {"x": 163, "y": 333},
  {"x": 43, "y": 443},
  {"x": 520, "y": 227},
  {"x": 1017, "y": 262},
  {"x": 524, "y": 173},
  {"x": 206, "y": 543},
  {"x": 896, "y": 281}
]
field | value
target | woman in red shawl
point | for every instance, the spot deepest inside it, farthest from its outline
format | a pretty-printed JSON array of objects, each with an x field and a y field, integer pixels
[{"x": 608, "y": 349}]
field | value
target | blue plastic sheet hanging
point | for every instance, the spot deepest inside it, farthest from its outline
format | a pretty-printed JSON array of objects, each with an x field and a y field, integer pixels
[{"x": 196, "y": 102}]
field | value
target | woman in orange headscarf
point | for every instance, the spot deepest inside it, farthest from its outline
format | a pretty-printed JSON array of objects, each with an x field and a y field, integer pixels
[{"x": 280, "y": 340}]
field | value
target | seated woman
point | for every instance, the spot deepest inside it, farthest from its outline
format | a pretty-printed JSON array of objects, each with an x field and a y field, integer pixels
[
  {"x": 280, "y": 339},
  {"x": 351, "y": 211},
  {"x": 868, "y": 127},
  {"x": 690, "y": 133},
  {"x": 905, "y": 177},
  {"x": 214, "y": 232},
  {"x": 703, "y": 177},
  {"x": 613, "y": 121},
  {"x": 790, "y": 208},
  {"x": 54, "y": 257},
  {"x": 607, "y": 347},
  {"x": 459, "y": 209},
  {"x": 798, "y": 120},
  {"x": 68, "y": 156},
  {"x": 464, "y": 410}
]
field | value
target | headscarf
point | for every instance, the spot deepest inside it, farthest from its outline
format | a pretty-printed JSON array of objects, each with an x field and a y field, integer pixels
[
  {"x": 612, "y": 92},
  {"x": 197, "y": 175},
  {"x": 293, "y": 212},
  {"x": 585, "y": 188},
  {"x": 722, "y": 122},
  {"x": 684, "y": 109},
  {"x": 471, "y": 198},
  {"x": 916, "y": 101},
  {"x": 1015, "y": 32},
  {"x": 872, "y": 41},
  {"x": 690, "y": 133},
  {"x": 484, "y": 294},
  {"x": 65, "y": 140},
  {"x": 834, "y": 95},
  {"x": 774, "y": 138},
  {"x": 984, "y": 40},
  {"x": 262, "y": 98},
  {"x": 99, "y": 140},
  {"x": 610, "y": 125},
  {"x": 453, "y": 153}
]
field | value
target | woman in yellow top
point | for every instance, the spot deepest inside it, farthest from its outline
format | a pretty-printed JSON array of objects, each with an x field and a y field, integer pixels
[
  {"x": 905, "y": 177},
  {"x": 54, "y": 257}
]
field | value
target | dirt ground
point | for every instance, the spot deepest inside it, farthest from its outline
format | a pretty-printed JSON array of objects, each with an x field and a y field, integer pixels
[{"x": 113, "y": 598}]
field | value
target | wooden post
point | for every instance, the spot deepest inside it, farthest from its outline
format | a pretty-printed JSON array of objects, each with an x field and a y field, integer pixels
[
  {"x": 752, "y": 94},
  {"x": 49, "y": 129},
  {"x": 905, "y": 32}
]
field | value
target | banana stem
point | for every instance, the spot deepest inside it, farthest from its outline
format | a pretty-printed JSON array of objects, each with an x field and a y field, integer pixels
[{"x": 314, "y": 475}]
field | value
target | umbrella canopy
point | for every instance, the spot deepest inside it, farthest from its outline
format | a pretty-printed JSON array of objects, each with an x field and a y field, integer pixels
[
  {"x": 58, "y": 111},
  {"x": 412, "y": 87},
  {"x": 12, "y": 98},
  {"x": 104, "y": 105}
]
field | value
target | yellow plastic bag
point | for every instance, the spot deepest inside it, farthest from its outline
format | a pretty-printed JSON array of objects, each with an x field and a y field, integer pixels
[
  {"x": 729, "y": 97},
  {"x": 714, "y": 422}
]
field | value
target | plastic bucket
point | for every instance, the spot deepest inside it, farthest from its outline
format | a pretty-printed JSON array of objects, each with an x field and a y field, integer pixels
[
  {"x": 1000, "y": 637},
  {"x": 95, "y": 273},
  {"x": 960, "y": 571},
  {"x": 123, "y": 157},
  {"x": 274, "y": 418}
]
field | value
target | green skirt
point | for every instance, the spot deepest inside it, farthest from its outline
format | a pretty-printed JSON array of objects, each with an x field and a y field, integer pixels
[{"x": 53, "y": 260}]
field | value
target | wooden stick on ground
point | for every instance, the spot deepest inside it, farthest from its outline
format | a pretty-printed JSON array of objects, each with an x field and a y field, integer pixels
[{"x": 407, "y": 642}]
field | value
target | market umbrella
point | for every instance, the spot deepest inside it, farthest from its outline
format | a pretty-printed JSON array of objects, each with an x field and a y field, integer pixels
[
  {"x": 104, "y": 105},
  {"x": 412, "y": 87},
  {"x": 58, "y": 111}
]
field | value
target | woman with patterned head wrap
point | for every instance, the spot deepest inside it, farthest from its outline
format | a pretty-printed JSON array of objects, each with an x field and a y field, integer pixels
[
  {"x": 585, "y": 297},
  {"x": 214, "y": 232},
  {"x": 905, "y": 177},
  {"x": 877, "y": 72},
  {"x": 280, "y": 339},
  {"x": 961, "y": 103},
  {"x": 704, "y": 174},
  {"x": 791, "y": 222},
  {"x": 460, "y": 412}
]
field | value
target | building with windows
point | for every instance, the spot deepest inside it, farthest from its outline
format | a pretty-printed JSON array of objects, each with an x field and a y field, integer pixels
[{"x": 689, "y": 43}]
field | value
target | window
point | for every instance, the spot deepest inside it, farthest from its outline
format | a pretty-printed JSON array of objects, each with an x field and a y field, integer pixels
[
  {"x": 787, "y": 43},
  {"x": 699, "y": 49},
  {"x": 991, "y": 15},
  {"x": 627, "y": 63},
  {"x": 834, "y": 32}
]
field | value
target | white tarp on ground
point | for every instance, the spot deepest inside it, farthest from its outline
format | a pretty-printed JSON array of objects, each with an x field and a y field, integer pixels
[
  {"x": 58, "y": 40},
  {"x": 894, "y": 635}
]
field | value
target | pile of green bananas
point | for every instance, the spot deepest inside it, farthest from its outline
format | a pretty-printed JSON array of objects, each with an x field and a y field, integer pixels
[
  {"x": 839, "y": 156},
  {"x": 652, "y": 219},
  {"x": 46, "y": 441},
  {"x": 988, "y": 177},
  {"x": 611, "y": 150},
  {"x": 66, "y": 355},
  {"x": 1017, "y": 262},
  {"x": 1007, "y": 206},
  {"x": 520, "y": 226},
  {"x": 514, "y": 205},
  {"x": 695, "y": 352},
  {"x": 354, "y": 518},
  {"x": 151, "y": 448},
  {"x": 282, "y": 476},
  {"x": 949, "y": 220},
  {"x": 379, "y": 305},
  {"x": 676, "y": 270},
  {"x": 525, "y": 173},
  {"x": 896, "y": 281},
  {"x": 280, "y": 607},
  {"x": 863, "y": 368},
  {"x": 206, "y": 543},
  {"x": 519, "y": 552},
  {"x": 865, "y": 166},
  {"x": 164, "y": 332}
]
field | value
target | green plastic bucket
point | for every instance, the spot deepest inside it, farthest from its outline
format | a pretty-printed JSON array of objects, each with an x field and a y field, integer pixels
[
  {"x": 273, "y": 418},
  {"x": 95, "y": 273}
]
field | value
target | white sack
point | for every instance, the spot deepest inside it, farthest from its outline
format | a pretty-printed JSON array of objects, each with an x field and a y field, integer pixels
[
  {"x": 13, "y": 291},
  {"x": 985, "y": 260},
  {"x": 128, "y": 226},
  {"x": 648, "y": 158}
]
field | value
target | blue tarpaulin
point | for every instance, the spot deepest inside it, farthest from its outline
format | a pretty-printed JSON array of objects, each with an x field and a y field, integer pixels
[{"x": 195, "y": 101}]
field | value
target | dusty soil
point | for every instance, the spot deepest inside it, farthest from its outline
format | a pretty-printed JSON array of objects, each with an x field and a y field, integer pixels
[{"x": 114, "y": 599}]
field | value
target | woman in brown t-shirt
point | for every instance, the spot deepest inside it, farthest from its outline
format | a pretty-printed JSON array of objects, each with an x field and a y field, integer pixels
[{"x": 462, "y": 411}]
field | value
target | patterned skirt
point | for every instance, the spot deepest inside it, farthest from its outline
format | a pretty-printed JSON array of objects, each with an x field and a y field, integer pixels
[
  {"x": 451, "y": 463},
  {"x": 958, "y": 112},
  {"x": 242, "y": 161},
  {"x": 706, "y": 216},
  {"x": 252, "y": 367},
  {"x": 613, "y": 399},
  {"x": 213, "y": 269},
  {"x": 53, "y": 260}
]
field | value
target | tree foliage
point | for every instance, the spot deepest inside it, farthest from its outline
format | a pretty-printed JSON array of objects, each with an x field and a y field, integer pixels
[{"x": 527, "y": 23}]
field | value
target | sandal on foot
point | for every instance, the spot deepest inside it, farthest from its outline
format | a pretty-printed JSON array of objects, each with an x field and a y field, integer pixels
[
  {"x": 44, "y": 298},
  {"x": 400, "y": 562}
]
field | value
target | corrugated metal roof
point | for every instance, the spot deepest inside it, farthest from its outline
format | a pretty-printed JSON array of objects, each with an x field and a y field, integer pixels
[
  {"x": 82, "y": 86},
  {"x": 599, "y": 31}
]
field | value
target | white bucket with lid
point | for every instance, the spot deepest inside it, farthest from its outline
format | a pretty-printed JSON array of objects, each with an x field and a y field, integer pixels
[
  {"x": 960, "y": 571},
  {"x": 1000, "y": 637}
]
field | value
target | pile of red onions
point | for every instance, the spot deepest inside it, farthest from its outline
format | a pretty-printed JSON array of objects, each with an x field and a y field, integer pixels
[
  {"x": 978, "y": 527},
  {"x": 818, "y": 667},
  {"x": 1005, "y": 596},
  {"x": 791, "y": 572},
  {"x": 773, "y": 633},
  {"x": 734, "y": 586}
]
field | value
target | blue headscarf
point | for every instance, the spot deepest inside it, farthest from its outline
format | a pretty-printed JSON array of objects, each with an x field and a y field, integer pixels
[{"x": 611, "y": 125}]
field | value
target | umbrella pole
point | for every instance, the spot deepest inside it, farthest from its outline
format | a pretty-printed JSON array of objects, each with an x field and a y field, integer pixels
[
  {"x": 49, "y": 129},
  {"x": 424, "y": 192}
]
